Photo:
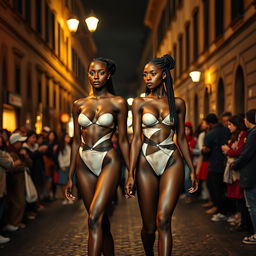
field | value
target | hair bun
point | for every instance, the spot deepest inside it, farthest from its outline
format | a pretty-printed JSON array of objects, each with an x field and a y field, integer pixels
[
  {"x": 169, "y": 62},
  {"x": 111, "y": 66}
]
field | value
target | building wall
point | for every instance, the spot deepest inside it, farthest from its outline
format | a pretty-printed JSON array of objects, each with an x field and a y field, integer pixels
[
  {"x": 229, "y": 56},
  {"x": 42, "y": 64}
]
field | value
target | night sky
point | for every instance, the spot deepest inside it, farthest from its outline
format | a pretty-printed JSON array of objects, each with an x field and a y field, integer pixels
[{"x": 120, "y": 36}]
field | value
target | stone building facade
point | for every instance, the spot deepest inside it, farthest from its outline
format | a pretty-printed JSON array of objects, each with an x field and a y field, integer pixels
[
  {"x": 42, "y": 64},
  {"x": 215, "y": 37}
]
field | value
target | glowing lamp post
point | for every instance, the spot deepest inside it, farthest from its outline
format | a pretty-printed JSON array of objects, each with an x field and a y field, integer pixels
[
  {"x": 195, "y": 76},
  {"x": 73, "y": 24},
  {"x": 92, "y": 23}
]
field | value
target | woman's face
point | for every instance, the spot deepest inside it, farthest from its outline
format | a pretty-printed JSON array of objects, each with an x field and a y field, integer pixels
[
  {"x": 231, "y": 127},
  {"x": 153, "y": 76},
  {"x": 32, "y": 139},
  {"x": 187, "y": 131},
  {"x": 51, "y": 137},
  {"x": 67, "y": 138},
  {"x": 98, "y": 74}
]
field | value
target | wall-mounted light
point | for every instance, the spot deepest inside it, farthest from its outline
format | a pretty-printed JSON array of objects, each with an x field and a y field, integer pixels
[
  {"x": 195, "y": 76},
  {"x": 92, "y": 23},
  {"x": 73, "y": 24}
]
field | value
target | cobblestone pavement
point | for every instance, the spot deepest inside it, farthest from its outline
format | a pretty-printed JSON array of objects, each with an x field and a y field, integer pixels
[{"x": 62, "y": 231}]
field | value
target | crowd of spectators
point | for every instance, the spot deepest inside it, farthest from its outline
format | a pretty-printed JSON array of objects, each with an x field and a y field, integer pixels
[
  {"x": 224, "y": 155},
  {"x": 26, "y": 157}
]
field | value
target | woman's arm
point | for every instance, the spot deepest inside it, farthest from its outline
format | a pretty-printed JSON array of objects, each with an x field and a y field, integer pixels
[
  {"x": 74, "y": 148},
  {"x": 122, "y": 130},
  {"x": 182, "y": 142},
  {"x": 135, "y": 145}
]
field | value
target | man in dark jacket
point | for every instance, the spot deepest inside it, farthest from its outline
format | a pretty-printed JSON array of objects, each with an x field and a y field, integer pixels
[
  {"x": 246, "y": 165},
  {"x": 213, "y": 140}
]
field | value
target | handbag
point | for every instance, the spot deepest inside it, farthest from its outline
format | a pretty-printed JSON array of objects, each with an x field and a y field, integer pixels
[
  {"x": 228, "y": 177},
  {"x": 31, "y": 193}
]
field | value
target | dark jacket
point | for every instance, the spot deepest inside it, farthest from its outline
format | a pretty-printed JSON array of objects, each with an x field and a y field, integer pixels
[
  {"x": 246, "y": 162},
  {"x": 213, "y": 140}
]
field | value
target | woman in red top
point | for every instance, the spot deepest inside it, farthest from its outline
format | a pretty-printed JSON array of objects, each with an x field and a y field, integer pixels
[{"x": 233, "y": 150}]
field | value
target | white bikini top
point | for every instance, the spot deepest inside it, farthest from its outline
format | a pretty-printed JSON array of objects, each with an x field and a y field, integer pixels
[
  {"x": 149, "y": 119},
  {"x": 105, "y": 120}
]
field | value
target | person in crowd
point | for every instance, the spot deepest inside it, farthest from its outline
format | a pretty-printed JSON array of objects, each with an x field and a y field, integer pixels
[
  {"x": 213, "y": 140},
  {"x": 64, "y": 163},
  {"x": 51, "y": 165},
  {"x": 6, "y": 134},
  {"x": 189, "y": 133},
  {"x": 158, "y": 163},
  {"x": 16, "y": 184},
  {"x": 37, "y": 170},
  {"x": 225, "y": 116},
  {"x": 93, "y": 157},
  {"x": 45, "y": 132},
  {"x": 245, "y": 164},
  {"x": 233, "y": 149},
  {"x": 6, "y": 162},
  {"x": 202, "y": 165}
]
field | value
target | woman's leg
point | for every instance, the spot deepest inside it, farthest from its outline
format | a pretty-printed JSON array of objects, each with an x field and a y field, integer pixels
[
  {"x": 105, "y": 188},
  {"x": 147, "y": 186},
  {"x": 169, "y": 190}
]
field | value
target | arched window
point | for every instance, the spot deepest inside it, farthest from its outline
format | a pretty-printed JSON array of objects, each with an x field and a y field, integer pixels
[
  {"x": 195, "y": 110},
  {"x": 239, "y": 91},
  {"x": 220, "y": 97},
  {"x": 206, "y": 102}
]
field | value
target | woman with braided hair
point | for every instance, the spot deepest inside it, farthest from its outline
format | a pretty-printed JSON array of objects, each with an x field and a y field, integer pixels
[
  {"x": 93, "y": 158},
  {"x": 159, "y": 167}
]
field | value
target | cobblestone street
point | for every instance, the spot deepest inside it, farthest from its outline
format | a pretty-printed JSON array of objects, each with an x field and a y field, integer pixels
[{"x": 62, "y": 231}]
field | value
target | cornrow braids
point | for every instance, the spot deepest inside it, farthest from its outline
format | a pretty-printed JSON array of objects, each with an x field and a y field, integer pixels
[{"x": 166, "y": 63}]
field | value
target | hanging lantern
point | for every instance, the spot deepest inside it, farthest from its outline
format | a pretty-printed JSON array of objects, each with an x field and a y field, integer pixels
[
  {"x": 72, "y": 24},
  {"x": 92, "y": 23}
]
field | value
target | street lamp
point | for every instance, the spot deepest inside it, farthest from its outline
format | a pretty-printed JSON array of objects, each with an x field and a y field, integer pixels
[
  {"x": 91, "y": 23},
  {"x": 73, "y": 24},
  {"x": 195, "y": 76}
]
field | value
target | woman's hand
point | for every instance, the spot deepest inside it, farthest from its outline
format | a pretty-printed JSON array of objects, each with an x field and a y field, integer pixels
[
  {"x": 225, "y": 148},
  {"x": 194, "y": 182},
  {"x": 129, "y": 187},
  {"x": 68, "y": 190}
]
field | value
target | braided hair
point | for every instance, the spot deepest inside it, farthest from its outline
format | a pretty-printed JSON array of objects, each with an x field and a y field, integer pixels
[
  {"x": 111, "y": 67},
  {"x": 166, "y": 63}
]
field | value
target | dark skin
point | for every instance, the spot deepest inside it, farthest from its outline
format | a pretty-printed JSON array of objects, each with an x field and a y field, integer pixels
[
  {"x": 157, "y": 195},
  {"x": 97, "y": 191}
]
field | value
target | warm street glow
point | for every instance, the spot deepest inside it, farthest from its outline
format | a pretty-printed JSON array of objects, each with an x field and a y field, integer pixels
[
  {"x": 73, "y": 24},
  {"x": 129, "y": 101},
  {"x": 92, "y": 23},
  {"x": 195, "y": 76}
]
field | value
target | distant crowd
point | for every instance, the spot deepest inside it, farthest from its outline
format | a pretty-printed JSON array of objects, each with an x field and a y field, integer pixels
[{"x": 31, "y": 167}]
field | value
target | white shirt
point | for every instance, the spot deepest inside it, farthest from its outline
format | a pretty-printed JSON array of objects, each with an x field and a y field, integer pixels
[{"x": 64, "y": 157}]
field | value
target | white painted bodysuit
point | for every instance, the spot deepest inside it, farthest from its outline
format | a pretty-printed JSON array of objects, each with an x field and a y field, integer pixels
[
  {"x": 94, "y": 156},
  {"x": 159, "y": 159}
]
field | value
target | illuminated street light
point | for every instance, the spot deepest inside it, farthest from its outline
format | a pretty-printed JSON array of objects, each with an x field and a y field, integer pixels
[
  {"x": 73, "y": 24},
  {"x": 143, "y": 94},
  {"x": 195, "y": 76},
  {"x": 129, "y": 101},
  {"x": 92, "y": 23}
]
